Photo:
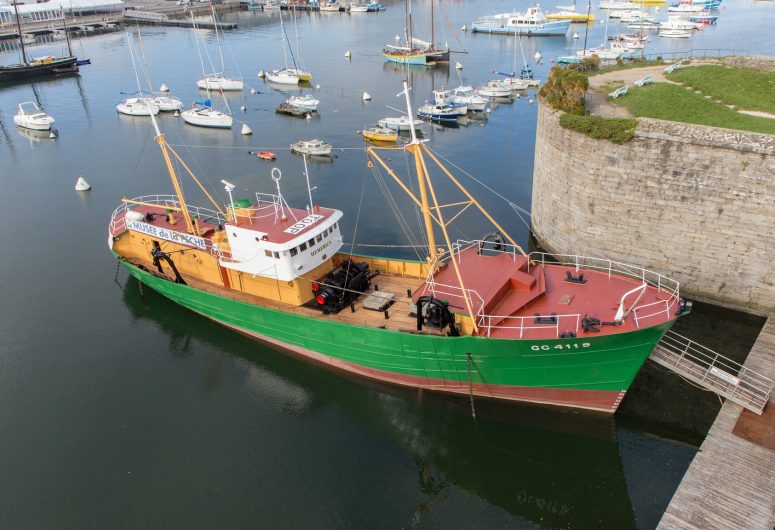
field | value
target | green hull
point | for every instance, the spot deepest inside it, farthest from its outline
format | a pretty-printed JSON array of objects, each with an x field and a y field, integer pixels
[{"x": 591, "y": 372}]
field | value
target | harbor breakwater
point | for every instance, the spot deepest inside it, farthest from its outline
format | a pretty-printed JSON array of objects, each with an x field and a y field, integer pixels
[{"x": 694, "y": 203}]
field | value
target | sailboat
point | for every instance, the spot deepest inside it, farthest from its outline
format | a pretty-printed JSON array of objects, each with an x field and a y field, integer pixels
[
  {"x": 165, "y": 102},
  {"x": 139, "y": 105},
  {"x": 477, "y": 318},
  {"x": 288, "y": 76},
  {"x": 37, "y": 66},
  {"x": 409, "y": 53},
  {"x": 219, "y": 80},
  {"x": 202, "y": 113}
]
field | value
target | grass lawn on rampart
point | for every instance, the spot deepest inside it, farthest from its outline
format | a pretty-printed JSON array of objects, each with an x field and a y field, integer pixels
[
  {"x": 666, "y": 101},
  {"x": 743, "y": 87}
]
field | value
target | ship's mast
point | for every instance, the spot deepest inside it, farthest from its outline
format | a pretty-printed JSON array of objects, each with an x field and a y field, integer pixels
[
  {"x": 414, "y": 148},
  {"x": 174, "y": 178},
  {"x": 433, "y": 33},
  {"x": 21, "y": 35}
]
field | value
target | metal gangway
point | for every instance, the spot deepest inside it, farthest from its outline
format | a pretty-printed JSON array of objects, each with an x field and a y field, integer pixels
[{"x": 713, "y": 371}]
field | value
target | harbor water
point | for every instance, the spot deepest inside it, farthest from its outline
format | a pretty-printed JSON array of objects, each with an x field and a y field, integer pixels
[{"x": 119, "y": 409}]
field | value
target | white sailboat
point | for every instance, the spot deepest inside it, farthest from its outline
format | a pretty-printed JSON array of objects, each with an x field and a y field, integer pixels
[
  {"x": 219, "y": 80},
  {"x": 162, "y": 99},
  {"x": 202, "y": 113},
  {"x": 287, "y": 75},
  {"x": 140, "y": 105}
]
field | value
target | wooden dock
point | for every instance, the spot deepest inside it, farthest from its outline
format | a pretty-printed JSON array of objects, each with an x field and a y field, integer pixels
[{"x": 731, "y": 481}]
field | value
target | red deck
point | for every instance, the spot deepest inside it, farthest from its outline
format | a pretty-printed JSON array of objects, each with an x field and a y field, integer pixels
[{"x": 510, "y": 288}]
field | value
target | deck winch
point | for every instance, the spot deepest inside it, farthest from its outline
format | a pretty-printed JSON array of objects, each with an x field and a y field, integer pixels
[{"x": 340, "y": 287}]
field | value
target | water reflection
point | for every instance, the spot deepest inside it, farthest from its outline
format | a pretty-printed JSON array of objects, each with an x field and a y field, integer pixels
[{"x": 551, "y": 467}]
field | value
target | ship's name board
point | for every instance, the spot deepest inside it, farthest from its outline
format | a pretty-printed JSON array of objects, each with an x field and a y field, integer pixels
[
  {"x": 167, "y": 235},
  {"x": 304, "y": 223}
]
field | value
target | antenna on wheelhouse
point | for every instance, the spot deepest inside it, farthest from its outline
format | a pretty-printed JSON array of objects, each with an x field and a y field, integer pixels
[{"x": 309, "y": 189}]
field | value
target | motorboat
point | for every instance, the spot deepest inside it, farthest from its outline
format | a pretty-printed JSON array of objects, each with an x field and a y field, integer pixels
[
  {"x": 444, "y": 97},
  {"x": 439, "y": 113},
  {"x": 675, "y": 22},
  {"x": 357, "y": 7},
  {"x": 141, "y": 106},
  {"x": 685, "y": 8},
  {"x": 466, "y": 95},
  {"x": 201, "y": 114},
  {"x": 292, "y": 110},
  {"x": 619, "y": 6},
  {"x": 330, "y": 6},
  {"x": 312, "y": 147},
  {"x": 532, "y": 23},
  {"x": 306, "y": 102},
  {"x": 218, "y": 82},
  {"x": 30, "y": 116},
  {"x": 495, "y": 89},
  {"x": 675, "y": 33},
  {"x": 402, "y": 123},
  {"x": 380, "y": 134}
]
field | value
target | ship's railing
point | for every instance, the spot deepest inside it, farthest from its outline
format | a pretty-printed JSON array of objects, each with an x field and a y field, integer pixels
[
  {"x": 559, "y": 323},
  {"x": 118, "y": 222},
  {"x": 712, "y": 370},
  {"x": 663, "y": 284}
]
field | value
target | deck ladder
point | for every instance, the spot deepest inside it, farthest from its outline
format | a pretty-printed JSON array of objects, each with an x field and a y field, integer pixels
[{"x": 713, "y": 371}]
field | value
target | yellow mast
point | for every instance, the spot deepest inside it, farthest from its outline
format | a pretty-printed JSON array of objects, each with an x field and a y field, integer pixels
[
  {"x": 174, "y": 178},
  {"x": 422, "y": 177}
]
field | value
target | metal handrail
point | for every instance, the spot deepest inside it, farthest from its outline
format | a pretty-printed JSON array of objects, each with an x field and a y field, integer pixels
[{"x": 119, "y": 224}]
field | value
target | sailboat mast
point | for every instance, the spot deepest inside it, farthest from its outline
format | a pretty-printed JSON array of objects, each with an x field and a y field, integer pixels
[
  {"x": 433, "y": 29},
  {"x": 134, "y": 66},
  {"x": 199, "y": 50},
  {"x": 218, "y": 40},
  {"x": 282, "y": 39},
  {"x": 21, "y": 35},
  {"x": 67, "y": 33}
]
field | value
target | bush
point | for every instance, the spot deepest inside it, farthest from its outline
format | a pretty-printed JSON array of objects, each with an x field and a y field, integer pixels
[
  {"x": 564, "y": 89},
  {"x": 616, "y": 130}
]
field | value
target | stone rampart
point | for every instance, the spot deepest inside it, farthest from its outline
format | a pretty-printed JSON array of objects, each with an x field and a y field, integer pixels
[{"x": 692, "y": 202}]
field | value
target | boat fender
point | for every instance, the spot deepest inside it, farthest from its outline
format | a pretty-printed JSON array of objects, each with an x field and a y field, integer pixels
[{"x": 569, "y": 277}]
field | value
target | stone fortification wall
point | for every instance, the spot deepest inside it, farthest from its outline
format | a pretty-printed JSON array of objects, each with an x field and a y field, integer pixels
[
  {"x": 758, "y": 62},
  {"x": 695, "y": 203}
]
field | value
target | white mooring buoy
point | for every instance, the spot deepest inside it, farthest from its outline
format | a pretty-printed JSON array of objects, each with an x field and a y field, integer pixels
[
  {"x": 246, "y": 130},
  {"x": 347, "y": 54},
  {"x": 531, "y": 101},
  {"x": 164, "y": 88},
  {"x": 52, "y": 134},
  {"x": 538, "y": 56},
  {"x": 252, "y": 90},
  {"x": 458, "y": 66},
  {"x": 243, "y": 108},
  {"x": 464, "y": 28},
  {"x": 317, "y": 87},
  {"x": 261, "y": 74},
  {"x": 575, "y": 35},
  {"x": 177, "y": 113},
  {"x": 82, "y": 185},
  {"x": 366, "y": 96}
]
